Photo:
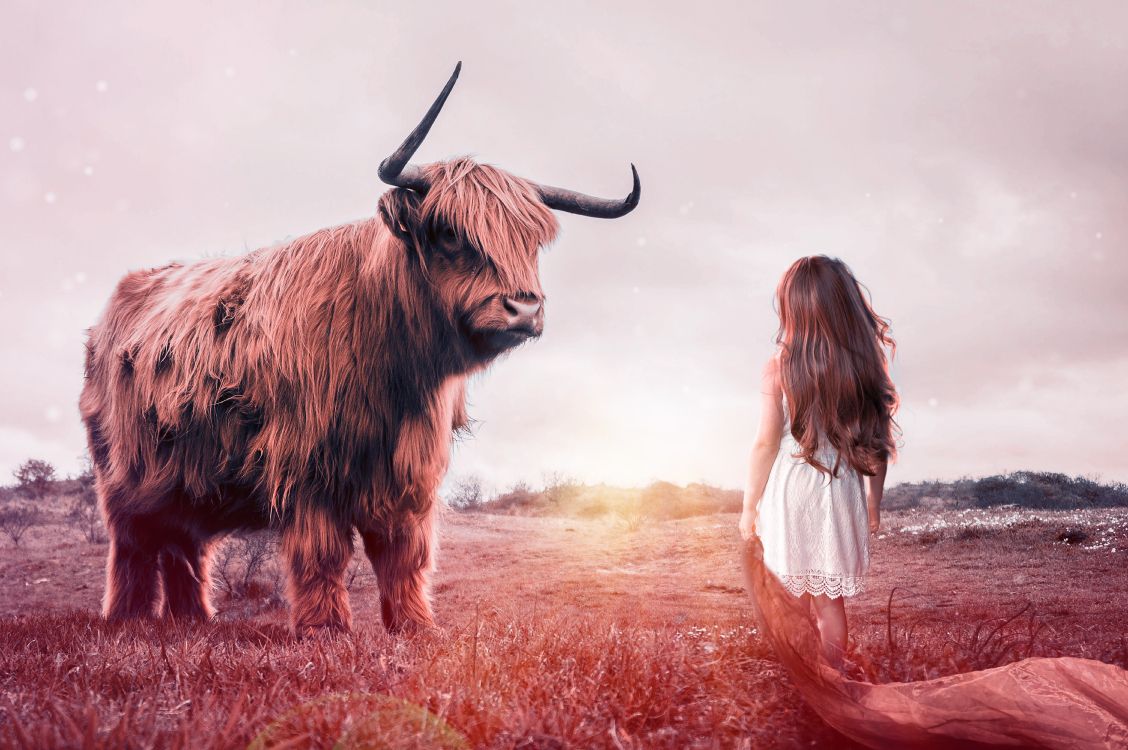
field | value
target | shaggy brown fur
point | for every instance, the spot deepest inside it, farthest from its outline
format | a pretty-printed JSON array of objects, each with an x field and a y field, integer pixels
[{"x": 311, "y": 386}]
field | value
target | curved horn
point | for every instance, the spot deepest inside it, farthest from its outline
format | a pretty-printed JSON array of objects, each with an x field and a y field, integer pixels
[
  {"x": 563, "y": 199},
  {"x": 395, "y": 170}
]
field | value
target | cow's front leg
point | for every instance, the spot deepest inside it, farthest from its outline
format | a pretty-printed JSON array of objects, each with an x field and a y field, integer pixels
[
  {"x": 184, "y": 568},
  {"x": 403, "y": 559},
  {"x": 317, "y": 548},
  {"x": 132, "y": 586}
]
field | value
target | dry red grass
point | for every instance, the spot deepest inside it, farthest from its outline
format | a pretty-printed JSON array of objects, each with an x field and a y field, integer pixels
[{"x": 555, "y": 633}]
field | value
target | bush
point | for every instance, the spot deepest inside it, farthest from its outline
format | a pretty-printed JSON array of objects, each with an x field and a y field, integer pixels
[
  {"x": 34, "y": 478},
  {"x": 632, "y": 517},
  {"x": 517, "y": 499},
  {"x": 911, "y": 495},
  {"x": 84, "y": 513},
  {"x": 560, "y": 490},
  {"x": 467, "y": 494},
  {"x": 1045, "y": 490},
  {"x": 660, "y": 500},
  {"x": 15, "y": 521},
  {"x": 240, "y": 561}
]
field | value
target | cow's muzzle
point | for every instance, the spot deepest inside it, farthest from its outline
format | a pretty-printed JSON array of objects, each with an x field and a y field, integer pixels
[{"x": 523, "y": 318}]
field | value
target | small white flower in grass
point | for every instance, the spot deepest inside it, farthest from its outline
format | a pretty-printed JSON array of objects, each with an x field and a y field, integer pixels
[
  {"x": 101, "y": 87},
  {"x": 16, "y": 144},
  {"x": 49, "y": 197},
  {"x": 30, "y": 94}
]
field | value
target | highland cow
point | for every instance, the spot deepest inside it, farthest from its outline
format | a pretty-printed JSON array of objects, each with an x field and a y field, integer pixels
[{"x": 313, "y": 387}]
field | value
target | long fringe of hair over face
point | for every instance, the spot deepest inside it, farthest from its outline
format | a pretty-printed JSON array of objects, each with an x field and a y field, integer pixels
[
  {"x": 833, "y": 367},
  {"x": 499, "y": 214}
]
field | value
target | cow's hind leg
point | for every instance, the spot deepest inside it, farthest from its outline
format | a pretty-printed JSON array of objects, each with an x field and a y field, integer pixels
[
  {"x": 184, "y": 567},
  {"x": 403, "y": 559},
  {"x": 317, "y": 549},
  {"x": 131, "y": 571}
]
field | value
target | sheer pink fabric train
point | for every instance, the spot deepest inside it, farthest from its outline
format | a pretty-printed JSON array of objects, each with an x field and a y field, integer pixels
[{"x": 1064, "y": 702}]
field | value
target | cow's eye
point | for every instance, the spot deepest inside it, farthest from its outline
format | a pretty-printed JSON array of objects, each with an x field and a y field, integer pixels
[
  {"x": 442, "y": 233},
  {"x": 478, "y": 260}
]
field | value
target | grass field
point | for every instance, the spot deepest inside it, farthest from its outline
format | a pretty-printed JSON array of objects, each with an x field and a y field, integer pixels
[{"x": 554, "y": 632}]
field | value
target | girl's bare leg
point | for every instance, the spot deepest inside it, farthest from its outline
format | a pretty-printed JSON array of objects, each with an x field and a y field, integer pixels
[{"x": 831, "y": 617}]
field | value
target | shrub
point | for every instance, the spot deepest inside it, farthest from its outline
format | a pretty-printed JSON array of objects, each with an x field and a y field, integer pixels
[
  {"x": 633, "y": 517},
  {"x": 240, "y": 561},
  {"x": 84, "y": 514},
  {"x": 34, "y": 478},
  {"x": 467, "y": 494},
  {"x": 1004, "y": 490},
  {"x": 15, "y": 521},
  {"x": 560, "y": 490},
  {"x": 659, "y": 499},
  {"x": 518, "y": 498}
]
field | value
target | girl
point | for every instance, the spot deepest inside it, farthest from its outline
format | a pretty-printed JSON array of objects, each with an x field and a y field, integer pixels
[{"x": 826, "y": 436}]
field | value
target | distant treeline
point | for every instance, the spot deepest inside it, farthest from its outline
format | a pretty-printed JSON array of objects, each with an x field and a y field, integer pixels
[
  {"x": 37, "y": 483},
  {"x": 1045, "y": 490},
  {"x": 663, "y": 500}
]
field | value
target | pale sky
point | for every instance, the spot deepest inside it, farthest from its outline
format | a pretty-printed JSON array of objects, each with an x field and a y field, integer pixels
[{"x": 967, "y": 160}]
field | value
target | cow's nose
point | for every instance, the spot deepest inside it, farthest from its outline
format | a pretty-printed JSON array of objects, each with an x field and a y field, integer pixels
[{"x": 522, "y": 314}]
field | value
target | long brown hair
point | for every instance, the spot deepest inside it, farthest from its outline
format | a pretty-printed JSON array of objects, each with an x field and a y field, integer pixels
[{"x": 833, "y": 367}]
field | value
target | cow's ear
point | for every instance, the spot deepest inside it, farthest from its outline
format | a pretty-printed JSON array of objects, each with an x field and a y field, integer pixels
[{"x": 399, "y": 209}]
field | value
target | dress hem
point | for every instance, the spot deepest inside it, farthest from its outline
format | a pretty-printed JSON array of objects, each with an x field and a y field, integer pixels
[{"x": 831, "y": 585}]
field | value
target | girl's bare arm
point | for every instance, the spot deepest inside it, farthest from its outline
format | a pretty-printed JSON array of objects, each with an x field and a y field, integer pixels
[
  {"x": 766, "y": 447},
  {"x": 875, "y": 489}
]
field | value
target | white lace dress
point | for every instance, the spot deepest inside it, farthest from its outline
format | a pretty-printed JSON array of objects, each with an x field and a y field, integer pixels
[{"x": 814, "y": 528}]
